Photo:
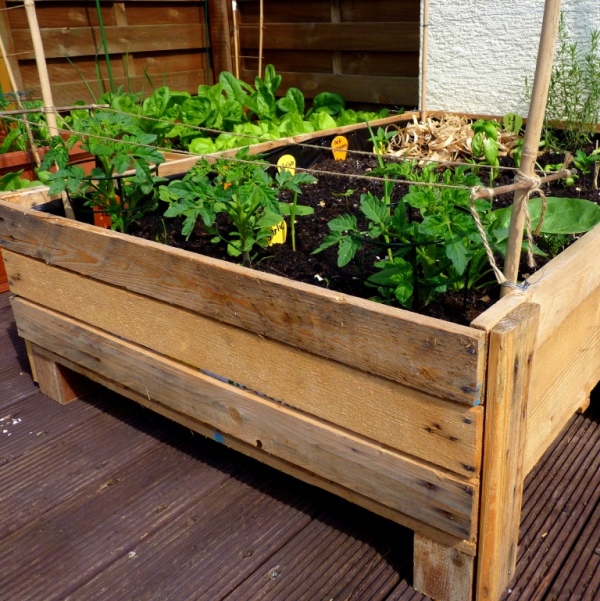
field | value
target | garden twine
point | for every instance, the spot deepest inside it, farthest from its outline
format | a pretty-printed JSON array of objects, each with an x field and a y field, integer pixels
[{"x": 535, "y": 188}]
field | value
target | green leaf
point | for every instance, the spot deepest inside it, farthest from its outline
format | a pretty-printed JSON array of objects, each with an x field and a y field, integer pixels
[
  {"x": 292, "y": 102},
  {"x": 563, "y": 215},
  {"x": 344, "y": 223},
  {"x": 490, "y": 151},
  {"x": 513, "y": 122},
  {"x": 374, "y": 209},
  {"x": 347, "y": 250},
  {"x": 329, "y": 102},
  {"x": 329, "y": 241},
  {"x": 303, "y": 210},
  {"x": 457, "y": 253}
]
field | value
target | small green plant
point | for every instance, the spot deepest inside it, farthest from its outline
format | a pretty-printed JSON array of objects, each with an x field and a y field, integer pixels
[
  {"x": 574, "y": 94},
  {"x": 243, "y": 192},
  {"x": 287, "y": 181},
  {"x": 484, "y": 145},
  {"x": 118, "y": 145}
]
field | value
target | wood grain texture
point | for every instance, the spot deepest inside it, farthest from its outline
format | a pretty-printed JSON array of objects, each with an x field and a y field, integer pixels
[
  {"x": 220, "y": 35},
  {"x": 432, "y": 356},
  {"x": 441, "y": 572},
  {"x": 55, "y": 380},
  {"x": 511, "y": 357},
  {"x": 374, "y": 37},
  {"x": 84, "y": 41},
  {"x": 566, "y": 369},
  {"x": 427, "y": 494},
  {"x": 253, "y": 451},
  {"x": 439, "y": 432}
]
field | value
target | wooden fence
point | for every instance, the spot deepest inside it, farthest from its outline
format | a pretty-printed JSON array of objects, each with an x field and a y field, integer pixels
[{"x": 367, "y": 51}]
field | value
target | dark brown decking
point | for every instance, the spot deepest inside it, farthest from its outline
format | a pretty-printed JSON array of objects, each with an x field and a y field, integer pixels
[{"x": 102, "y": 499}]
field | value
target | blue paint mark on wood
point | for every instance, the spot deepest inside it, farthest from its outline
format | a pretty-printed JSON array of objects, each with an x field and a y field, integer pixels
[{"x": 218, "y": 437}]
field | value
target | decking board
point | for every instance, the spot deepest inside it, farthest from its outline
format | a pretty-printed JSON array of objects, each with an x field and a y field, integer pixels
[{"x": 370, "y": 557}]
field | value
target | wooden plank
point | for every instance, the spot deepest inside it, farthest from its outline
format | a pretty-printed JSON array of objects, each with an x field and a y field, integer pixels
[
  {"x": 566, "y": 369},
  {"x": 381, "y": 10},
  {"x": 357, "y": 88},
  {"x": 251, "y": 450},
  {"x": 220, "y": 35},
  {"x": 374, "y": 37},
  {"x": 443, "y": 433},
  {"x": 408, "y": 486},
  {"x": 385, "y": 64},
  {"x": 54, "y": 380},
  {"x": 83, "y": 41},
  {"x": 511, "y": 353},
  {"x": 308, "y": 11},
  {"x": 430, "y": 355},
  {"x": 441, "y": 572}
]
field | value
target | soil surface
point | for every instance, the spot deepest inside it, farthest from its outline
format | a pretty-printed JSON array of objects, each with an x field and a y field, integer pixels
[{"x": 338, "y": 192}]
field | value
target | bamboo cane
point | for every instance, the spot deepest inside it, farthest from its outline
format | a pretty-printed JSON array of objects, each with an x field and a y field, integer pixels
[
  {"x": 15, "y": 87},
  {"x": 40, "y": 60},
  {"x": 531, "y": 143},
  {"x": 236, "y": 40},
  {"x": 260, "y": 38},
  {"x": 424, "y": 64},
  {"x": 522, "y": 185}
]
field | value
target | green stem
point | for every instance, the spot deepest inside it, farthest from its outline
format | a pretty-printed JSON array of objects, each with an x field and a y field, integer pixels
[{"x": 105, "y": 46}]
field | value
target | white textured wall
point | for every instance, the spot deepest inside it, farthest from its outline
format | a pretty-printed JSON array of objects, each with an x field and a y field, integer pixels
[{"x": 481, "y": 51}]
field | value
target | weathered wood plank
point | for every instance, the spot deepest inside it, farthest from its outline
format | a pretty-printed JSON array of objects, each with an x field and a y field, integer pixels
[
  {"x": 430, "y": 355},
  {"x": 442, "y": 433},
  {"x": 566, "y": 369},
  {"x": 408, "y": 486},
  {"x": 377, "y": 89},
  {"x": 511, "y": 355},
  {"x": 441, "y": 572},
  {"x": 54, "y": 380},
  {"x": 83, "y": 41},
  {"x": 374, "y": 37},
  {"x": 251, "y": 450},
  {"x": 220, "y": 34}
]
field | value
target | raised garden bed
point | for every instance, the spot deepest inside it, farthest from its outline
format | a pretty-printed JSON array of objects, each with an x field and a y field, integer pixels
[{"x": 429, "y": 423}]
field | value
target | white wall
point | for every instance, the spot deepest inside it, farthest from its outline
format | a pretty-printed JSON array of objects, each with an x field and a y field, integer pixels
[{"x": 481, "y": 51}]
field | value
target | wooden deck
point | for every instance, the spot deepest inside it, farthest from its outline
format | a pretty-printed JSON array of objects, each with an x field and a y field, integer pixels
[{"x": 102, "y": 499}]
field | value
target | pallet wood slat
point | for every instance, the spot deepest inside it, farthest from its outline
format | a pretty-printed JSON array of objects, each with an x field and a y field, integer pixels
[
  {"x": 253, "y": 451},
  {"x": 374, "y": 37},
  {"x": 444, "y": 359},
  {"x": 427, "y": 494},
  {"x": 443, "y": 433},
  {"x": 442, "y": 572},
  {"x": 511, "y": 355},
  {"x": 78, "y": 41}
]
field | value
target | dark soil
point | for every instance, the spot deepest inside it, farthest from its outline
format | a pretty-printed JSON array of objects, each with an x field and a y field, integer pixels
[{"x": 329, "y": 200}]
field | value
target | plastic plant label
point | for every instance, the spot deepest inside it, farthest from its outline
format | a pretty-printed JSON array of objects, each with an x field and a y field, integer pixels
[
  {"x": 288, "y": 162},
  {"x": 339, "y": 145},
  {"x": 280, "y": 233}
]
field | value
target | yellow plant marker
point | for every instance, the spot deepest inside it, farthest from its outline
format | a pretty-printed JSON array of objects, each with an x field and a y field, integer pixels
[
  {"x": 288, "y": 162},
  {"x": 339, "y": 145},
  {"x": 280, "y": 233}
]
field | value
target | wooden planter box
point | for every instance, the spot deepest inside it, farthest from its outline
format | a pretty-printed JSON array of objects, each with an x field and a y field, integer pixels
[{"x": 428, "y": 423}]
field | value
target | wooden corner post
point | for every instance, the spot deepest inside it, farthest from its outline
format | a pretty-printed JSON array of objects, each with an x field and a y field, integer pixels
[{"x": 511, "y": 346}]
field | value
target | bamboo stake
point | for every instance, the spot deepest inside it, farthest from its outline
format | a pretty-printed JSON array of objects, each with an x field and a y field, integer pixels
[
  {"x": 424, "y": 64},
  {"x": 522, "y": 185},
  {"x": 260, "y": 38},
  {"x": 531, "y": 143},
  {"x": 40, "y": 60},
  {"x": 15, "y": 87},
  {"x": 236, "y": 40}
]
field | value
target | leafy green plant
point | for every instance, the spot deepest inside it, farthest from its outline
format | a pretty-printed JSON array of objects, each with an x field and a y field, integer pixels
[
  {"x": 242, "y": 192},
  {"x": 485, "y": 143},
  {"x": 574, "y": 93},
  {"x": 119, "y": 145},
  {"x": 424, "y": 256}
]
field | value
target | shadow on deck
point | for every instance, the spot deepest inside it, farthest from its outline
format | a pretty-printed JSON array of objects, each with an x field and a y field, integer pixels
[{"x": 102, "y": 499}]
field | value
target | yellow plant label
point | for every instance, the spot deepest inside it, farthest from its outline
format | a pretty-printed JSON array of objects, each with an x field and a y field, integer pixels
[
  {"x": 288, "y": 162},
  {"x": 339, "y": 145},
  {"x": 280, "y": 233}
]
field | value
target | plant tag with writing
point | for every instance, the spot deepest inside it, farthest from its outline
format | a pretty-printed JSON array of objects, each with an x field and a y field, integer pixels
[
  {"x": 339, "y": 145},
  {"x": 280, "y": 233},
  {"x": 288, "y": 162}
]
